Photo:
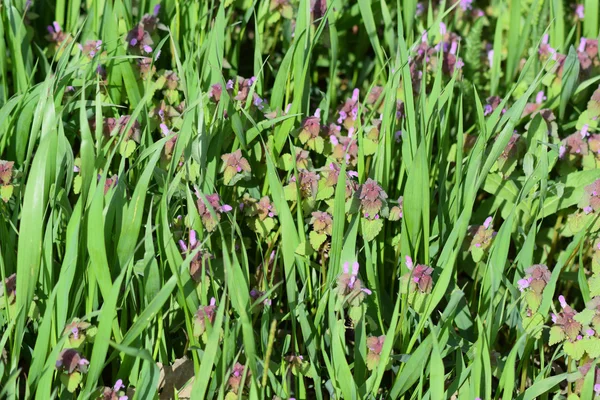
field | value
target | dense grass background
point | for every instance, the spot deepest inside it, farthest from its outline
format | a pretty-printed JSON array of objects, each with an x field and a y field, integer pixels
[{"x": 365, "y": 215}]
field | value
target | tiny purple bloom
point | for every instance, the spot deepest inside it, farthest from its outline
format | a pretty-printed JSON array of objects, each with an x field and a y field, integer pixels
[
  {"x": 490, "y": 56},
  {"x": 488, "y": 221},
  {"x": 539, "y": 98},
  {"x": 562, "y": 301},
  {"x": 466, "y": 4},
  {"x": 523, "y": 284},
  {"x": 561, "y": 151},
  {"x": 398, "y": 136},
  {"x": 584, "y": 131}
]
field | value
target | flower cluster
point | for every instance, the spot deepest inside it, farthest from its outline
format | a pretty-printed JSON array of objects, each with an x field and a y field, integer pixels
[
  {"x": 418, "y": 278},
  {"x": 310, "y": 133},
  {"x": 350, "y": 287},
  {"x": 482, "y": 236},
  {"x": 374, "y": 345},
  {"x": 236, "y": 377},
  {"x": 139, "y": 39},
  {"x": 372, "y": 199},
  {"x": 591, "y": 200},
  {"x": 235, "y": 167},
  {"x": 78, "y": 332},
  {"x": 214, "y": 207},
  {"x": 6, "y": 175},
  {"x": 116, "y": 392},
  {"x": 71, "y": 366},
  {"x": 261, "y": 212},
  {"x": 200, "y": 260},
  {"x": 322, "y": 223},
  {"x": 204, "y": 313},
  {"x": 532, "y": 286}
]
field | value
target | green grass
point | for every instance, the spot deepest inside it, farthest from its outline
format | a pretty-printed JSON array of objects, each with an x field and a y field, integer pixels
[{"x": 299, "y": 199}]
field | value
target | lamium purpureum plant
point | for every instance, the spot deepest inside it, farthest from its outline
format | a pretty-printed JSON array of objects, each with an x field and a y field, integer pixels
[{"x": 225, "y": 199}]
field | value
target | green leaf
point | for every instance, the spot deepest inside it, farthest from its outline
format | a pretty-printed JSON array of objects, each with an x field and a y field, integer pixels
[
  {"x": 71, "y": 381},
  {"x": 317, "y": 239},
  {"x": 557, "y": 335},
  {"x": 370, "y": 228},
  {"x": 594, "y": 282},
  {"x": 127, "y": 148},
  {"x": 265, "y": 226},
  {"x": 6, "y": 192},
  {"x": 592, "y": 346},
  {"x": 585, "y": 317},
  {"x": 575, "y": 349}
]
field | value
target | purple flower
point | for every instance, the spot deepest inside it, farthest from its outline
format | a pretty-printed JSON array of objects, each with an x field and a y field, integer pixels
[
  {"x": 422, "y": 277},
  {"x": 561, "y": 151},
  {"x": 200, "y": 260},
  {"x": 488, "y": 222},
  {"x": 420, "y": 9},
  {"x": 204, "y": 313},
  {"x": 482, "y": 234},
  {"x": 466, "y": 4},
  {"x": 442, "y": 28},
  {"x": 233, "y": 164},
  {"x": 584, "y": 131},
  {"x": 257, "y": 294},
  {"x": 235, "y": 379},
  {"x": 113, "y": 393},
  {"x": 490, "y": 57},
  {"x": 540, "y": 97},
  {"x": 350, "y": 286},
  {"x": 592, "y": 197},
  {"x": 579, "y": 11},
  {"x": 69, "y": 361},
  {"x": 523, "y": 284},
  {"x": 55, "y": 34},
  {"x": 372, "y": 198},
  {"x": 205, "y": 214},
  {"x": 139, "y": 39},
  {"x": 215, "y": 92},
  {"x": 409, "y": 263},
  {"x": 91, "y": 48},
  {"x": 566, "y": 322},
  {"x": 398, "y": 136}
]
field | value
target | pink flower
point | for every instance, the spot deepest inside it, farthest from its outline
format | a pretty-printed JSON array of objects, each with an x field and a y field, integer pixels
[
  {"x": 350, "y": 286},
  {"x": 579, "y": 11},
  {"x": 523, "y": 284},
  {"x": 466, "y": 4},
  {"x": 539, "y": 98}
]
